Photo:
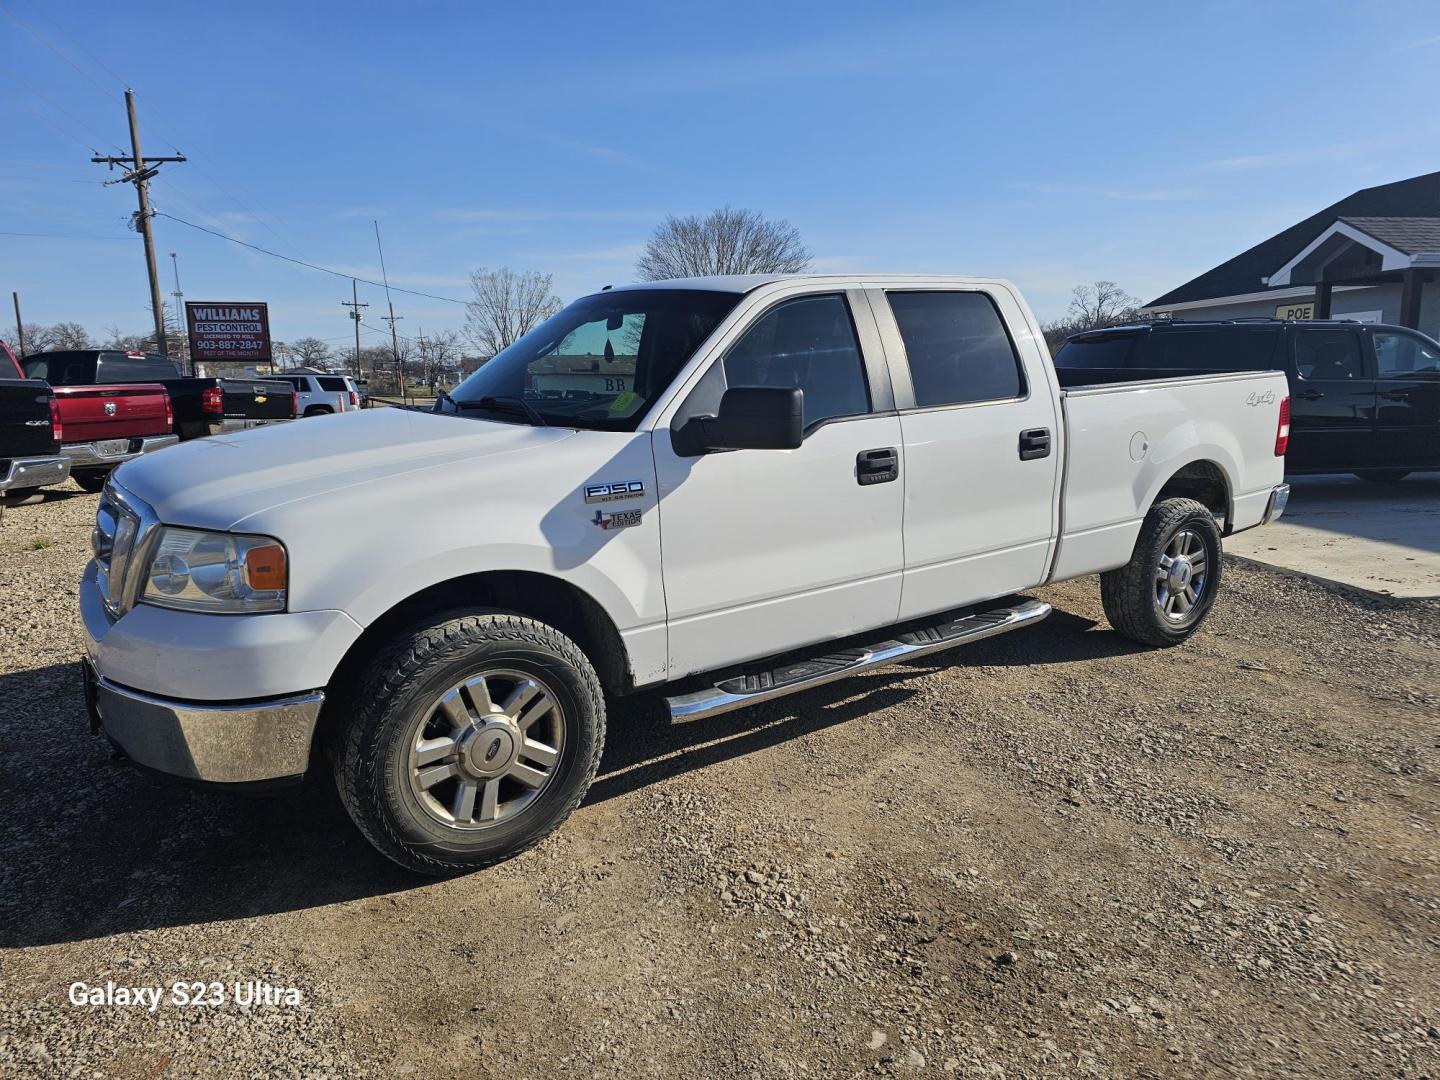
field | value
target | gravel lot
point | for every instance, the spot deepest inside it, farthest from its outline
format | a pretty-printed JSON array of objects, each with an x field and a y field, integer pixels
[{"x": 1050, "y": 854}]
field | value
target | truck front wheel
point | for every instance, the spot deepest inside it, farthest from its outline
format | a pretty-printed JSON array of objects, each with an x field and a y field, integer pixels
[
  {"x": 470, "y": 738},
  {"x": 1163, "y": 594}
]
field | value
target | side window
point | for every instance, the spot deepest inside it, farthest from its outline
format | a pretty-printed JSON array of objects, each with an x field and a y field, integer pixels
[
  {"x": 958, "y": 348},
  {"x": 332, "y": 384},
  {"x": 810, "y": 343},
  {"x": 1398, "y": 356},
  {"x": 1230, "y": 349},
  {"x": 1328, "y": 354}
]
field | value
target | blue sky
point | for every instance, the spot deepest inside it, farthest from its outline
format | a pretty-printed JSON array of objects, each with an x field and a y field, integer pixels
[{"x": 1053, "y": 144}]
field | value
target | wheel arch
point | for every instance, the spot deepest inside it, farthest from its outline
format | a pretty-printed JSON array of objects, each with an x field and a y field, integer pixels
[
  {"x": 1204, "y": 480},
  {"x": 551, "y": 600}
]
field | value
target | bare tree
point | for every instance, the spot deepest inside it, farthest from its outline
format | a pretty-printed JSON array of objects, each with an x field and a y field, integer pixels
[
  {"x": 507, "y": 306},
  {"x": 724, "y": 241},
  {"x": 310, "y": 352},
  {"x": 37, "y": 338},
  {"x": 438, "y": 355},
  {"x": 70, "y": 335},
  {"x": 1091, "y": 307}
]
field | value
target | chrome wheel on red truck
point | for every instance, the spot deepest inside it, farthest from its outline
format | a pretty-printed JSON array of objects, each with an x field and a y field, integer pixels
[{"x": 470, "y": 737}]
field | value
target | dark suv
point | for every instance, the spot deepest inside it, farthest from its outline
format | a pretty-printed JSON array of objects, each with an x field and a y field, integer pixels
[{"x": 1364, "y": 398}]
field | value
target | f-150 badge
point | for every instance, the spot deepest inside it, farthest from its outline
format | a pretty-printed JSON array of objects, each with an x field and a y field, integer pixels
[
  {"x": 619, "y": 519},
  {"x": 625, "y": 489}
]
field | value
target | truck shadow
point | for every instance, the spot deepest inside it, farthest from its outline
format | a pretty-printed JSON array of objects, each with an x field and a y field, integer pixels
[{"x": 90, "y": 848}]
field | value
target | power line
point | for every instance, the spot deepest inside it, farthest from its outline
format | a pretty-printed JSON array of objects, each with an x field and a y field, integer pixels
[
  {"x": 109, "y": 95},
  {"x": 307, "y": 265}
]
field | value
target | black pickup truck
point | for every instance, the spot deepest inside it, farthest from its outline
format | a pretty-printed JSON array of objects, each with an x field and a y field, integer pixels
[
  {"x": 30, "y": 455},
  {"x": 202, "y": 406},
  {"x": 1364, "y": 398}
]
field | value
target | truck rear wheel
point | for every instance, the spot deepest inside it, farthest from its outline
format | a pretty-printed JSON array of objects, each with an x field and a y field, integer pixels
[
  {"x": 1163, "y": 594},
  {"x": 93, "y": 482},
  {"x": 469, "y": 739}
]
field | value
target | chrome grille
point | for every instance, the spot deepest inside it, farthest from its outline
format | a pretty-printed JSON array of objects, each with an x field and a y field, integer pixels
[{"x": 122, "y": 525}]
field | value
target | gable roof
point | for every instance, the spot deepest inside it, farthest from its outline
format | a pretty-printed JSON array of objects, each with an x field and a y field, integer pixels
[
  {"x": 1411, "y": 235},
  {"x": 1413, "y": 200}
]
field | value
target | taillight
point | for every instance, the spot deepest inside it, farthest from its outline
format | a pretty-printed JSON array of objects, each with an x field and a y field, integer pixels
[
  {"x": 55, "y": 419},
  {"x": 354, "y": 401},
  {"x": 212, "y": 400},
  {"x": 1282, "y": 427},
  {"x": 169, "y": 412},
  {"x": 294, "y": 404}
]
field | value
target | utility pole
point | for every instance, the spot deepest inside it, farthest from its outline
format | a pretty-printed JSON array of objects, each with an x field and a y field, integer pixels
[
  {"x": 19, "y": 326},
  {"x": 391, "y": 319},
  {"x": 140, "y": 174},
  {"x": 354, "y": 305},
  {"x": 181, "y": 326}
]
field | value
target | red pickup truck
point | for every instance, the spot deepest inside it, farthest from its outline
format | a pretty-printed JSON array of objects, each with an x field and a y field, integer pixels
[{"x": 107, "y": 425}]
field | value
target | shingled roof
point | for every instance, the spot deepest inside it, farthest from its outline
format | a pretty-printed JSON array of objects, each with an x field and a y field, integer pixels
[{"x": 1415, "y": 201}]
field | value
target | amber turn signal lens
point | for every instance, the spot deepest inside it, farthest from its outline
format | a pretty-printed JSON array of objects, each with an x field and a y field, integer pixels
[{"x": 265, "y": 567}]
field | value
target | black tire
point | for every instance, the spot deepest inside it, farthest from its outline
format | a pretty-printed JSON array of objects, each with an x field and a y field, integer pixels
[
  {"x": 319, "y": 410},
  {"x": 93, "y": 482},
  {"x": 1383, "y": 476},
  {"x": 394, "y": 702},
  {"x": 1131, "y": 594}
]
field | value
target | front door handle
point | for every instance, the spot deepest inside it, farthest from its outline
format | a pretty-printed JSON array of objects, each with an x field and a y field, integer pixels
[
  {"x": 1034, "y": 443},
  {"x": 877, "y": 466},
  {"x": 1395, "y": 395},
  {"x": 1310, "y": 395}
]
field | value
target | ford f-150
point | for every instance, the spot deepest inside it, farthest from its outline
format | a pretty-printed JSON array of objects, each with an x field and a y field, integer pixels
[{"x": 781, "y": 481}]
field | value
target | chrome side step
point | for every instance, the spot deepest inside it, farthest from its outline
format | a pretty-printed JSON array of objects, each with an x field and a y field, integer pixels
[{"x": 743, "y": 690}]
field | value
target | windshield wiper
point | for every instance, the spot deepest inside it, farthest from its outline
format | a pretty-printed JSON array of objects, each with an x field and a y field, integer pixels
[{"x": 500, "y": 404}]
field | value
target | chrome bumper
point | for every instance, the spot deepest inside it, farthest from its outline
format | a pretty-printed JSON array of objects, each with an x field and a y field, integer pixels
[
  {"x": 235, "y": 743},
  {"x": 34, "y": 472},
  {"x": 1279, "y": 497},
  {"x": 240, "y": 424},
  {"x": 88, "y": 455}
]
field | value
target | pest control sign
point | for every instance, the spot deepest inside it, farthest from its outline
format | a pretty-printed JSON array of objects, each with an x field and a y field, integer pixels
[{"x": 228, "y": 330}]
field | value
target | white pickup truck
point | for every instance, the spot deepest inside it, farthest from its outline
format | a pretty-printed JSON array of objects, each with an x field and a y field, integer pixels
[{"x": 765, "y": 484}]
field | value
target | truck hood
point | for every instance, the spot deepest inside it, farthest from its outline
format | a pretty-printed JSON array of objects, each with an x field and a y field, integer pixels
[{"x": 217, "y": 483}]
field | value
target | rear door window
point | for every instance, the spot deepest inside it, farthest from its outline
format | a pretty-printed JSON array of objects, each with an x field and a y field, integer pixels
[
  {"x": 332, "y": 385},
  {"x": 958, "y": 348},
  {"x": 1328, "y": 354}
]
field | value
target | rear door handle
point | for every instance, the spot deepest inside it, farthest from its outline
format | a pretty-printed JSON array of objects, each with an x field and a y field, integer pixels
[
  {"x": 1395, "y": 395},
  {"x": 1310, "y": 395},
  {"x": 877, "y": 466},
  {"x": 1034, "y": 443}
]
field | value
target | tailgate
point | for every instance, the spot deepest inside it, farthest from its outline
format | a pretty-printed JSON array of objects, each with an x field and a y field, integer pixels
[
  {"x": 257, "y": 400},
  {"x": 25, "y": 429},
  {"x": 123, "y": 411}
]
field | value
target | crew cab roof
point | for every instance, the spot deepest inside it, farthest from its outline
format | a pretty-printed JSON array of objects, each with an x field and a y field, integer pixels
[{"x": 744, "y": 283}]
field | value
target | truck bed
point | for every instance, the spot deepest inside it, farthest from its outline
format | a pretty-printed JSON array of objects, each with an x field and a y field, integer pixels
[{"x": 1125, "y": 439}]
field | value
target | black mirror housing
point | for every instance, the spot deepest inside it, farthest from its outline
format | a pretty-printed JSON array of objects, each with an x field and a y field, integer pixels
[{"x": 750, "y": 418}]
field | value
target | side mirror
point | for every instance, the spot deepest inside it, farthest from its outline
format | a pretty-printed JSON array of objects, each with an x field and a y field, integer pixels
[{"x": 749, "y": 418}]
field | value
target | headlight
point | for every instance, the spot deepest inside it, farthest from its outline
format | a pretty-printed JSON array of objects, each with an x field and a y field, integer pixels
[{"x": 218, "y": 572}]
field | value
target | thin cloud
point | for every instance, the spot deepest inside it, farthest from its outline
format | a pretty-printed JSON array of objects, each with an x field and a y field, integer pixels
[{"x": 1420, "y": 44}]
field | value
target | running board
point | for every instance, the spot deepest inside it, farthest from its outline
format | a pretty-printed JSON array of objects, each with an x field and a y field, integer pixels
[{"x": 743, "y": 690}]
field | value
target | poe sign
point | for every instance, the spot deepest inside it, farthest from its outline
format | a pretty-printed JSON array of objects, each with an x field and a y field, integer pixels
[{"x": 226, "y": 330}]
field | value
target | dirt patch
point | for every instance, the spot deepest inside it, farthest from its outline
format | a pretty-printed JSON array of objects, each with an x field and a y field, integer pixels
[{"x": 1049, "y": 854}]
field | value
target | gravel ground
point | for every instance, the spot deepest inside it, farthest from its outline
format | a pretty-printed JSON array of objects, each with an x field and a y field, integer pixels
[{"x": 1050, "y": 854}]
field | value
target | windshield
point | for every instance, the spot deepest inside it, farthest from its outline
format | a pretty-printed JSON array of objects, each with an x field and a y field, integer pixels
[{"x": 599, "y": 363}]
